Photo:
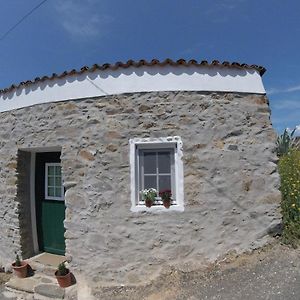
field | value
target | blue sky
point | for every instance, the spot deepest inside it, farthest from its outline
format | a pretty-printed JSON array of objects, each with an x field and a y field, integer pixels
[{"x": 66, "y": 34}]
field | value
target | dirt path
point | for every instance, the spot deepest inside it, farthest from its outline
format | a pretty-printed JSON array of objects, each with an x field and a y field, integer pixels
[{"x": 271, "y": 273}]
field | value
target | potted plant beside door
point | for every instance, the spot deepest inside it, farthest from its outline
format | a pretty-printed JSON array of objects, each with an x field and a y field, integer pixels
[
  {"x": 20, "y": 267},
  {"x": 63, "y": 275}
]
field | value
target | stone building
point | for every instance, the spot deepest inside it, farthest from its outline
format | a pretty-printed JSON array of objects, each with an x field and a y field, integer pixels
[{"x": 77, "y": 149}]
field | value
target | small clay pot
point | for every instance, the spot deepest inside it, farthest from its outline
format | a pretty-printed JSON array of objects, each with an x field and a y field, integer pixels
[
  {"x": 65, "y": 280},
  {"x": 21, "y": 271},
  {"x": 148, "y": 202},
  {"x": 167, "y": 203}
]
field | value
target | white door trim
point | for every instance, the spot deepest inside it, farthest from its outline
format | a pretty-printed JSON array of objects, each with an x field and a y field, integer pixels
[{"x": 32, "y": 203}]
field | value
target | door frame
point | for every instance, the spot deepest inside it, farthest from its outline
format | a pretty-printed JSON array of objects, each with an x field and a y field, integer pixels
[
  {"x": 32, "y": 203},
  {"x": 33, "y": 152}
]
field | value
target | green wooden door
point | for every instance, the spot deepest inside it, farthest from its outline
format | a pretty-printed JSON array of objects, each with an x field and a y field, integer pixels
[{"x": 50, "y": 204}]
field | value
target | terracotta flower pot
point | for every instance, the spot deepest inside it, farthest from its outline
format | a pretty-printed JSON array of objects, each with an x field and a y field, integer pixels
[
  {"x": 65, "y": 280},
  {"x": 167, "y": 203},
  {"x": 148, "y": 202},
  {"x": 21, "y": 271}
]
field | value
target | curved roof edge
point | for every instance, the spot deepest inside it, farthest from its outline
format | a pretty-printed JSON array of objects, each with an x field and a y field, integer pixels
[{"x": 131, "y": 63}]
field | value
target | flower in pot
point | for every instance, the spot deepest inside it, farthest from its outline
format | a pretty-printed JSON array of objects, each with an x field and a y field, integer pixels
[
  {"x": 20, "y": 267},
  {"x": 166, "y": 195},
  {"x": 149, "y": 196},
  {"x": 63, "y": 275}
]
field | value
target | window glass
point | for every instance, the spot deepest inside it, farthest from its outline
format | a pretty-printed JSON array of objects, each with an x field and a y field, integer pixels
[
  {"x": 51, "y": 191},
  {"x": 57, "y": 181},
  {"x": 164, "y": 182},
  {"x": 51, "y": 170},
  {"x": 54, "y": 187},
  {"x": 58, "y": 192},
  {"x": 155, "y": 170},
  {"x": 164, "y": 162},
  {"x": 50, "y": 181},
  {"x": 58, "y": 170},
  {"x": 150, "y": 162},
  {"x": 150, "y": 182}
]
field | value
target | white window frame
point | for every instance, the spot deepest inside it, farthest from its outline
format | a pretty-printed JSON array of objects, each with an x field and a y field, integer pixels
[
  {"x": 47, "y": 197},
  {"x": 173, "y": 142}
]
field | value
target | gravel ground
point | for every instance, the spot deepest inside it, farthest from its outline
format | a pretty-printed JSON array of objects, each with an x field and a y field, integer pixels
[
  {"x": 3, "y": 278},
  {"x": 270, "y": 273}
]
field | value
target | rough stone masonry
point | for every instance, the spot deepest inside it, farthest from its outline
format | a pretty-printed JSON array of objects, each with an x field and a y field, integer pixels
[{"x": 231, "y": 195}]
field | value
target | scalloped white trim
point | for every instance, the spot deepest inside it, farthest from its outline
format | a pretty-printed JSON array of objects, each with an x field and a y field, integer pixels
[{"x": 133, "y": 80}]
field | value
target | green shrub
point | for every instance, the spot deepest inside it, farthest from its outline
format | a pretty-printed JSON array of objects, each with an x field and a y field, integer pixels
[
  {"x": 289, "y": 169},
  {"x": 62, "y": 269},
  {"x": 18, "y": 261},
  {"x": 285, "y": 142}
]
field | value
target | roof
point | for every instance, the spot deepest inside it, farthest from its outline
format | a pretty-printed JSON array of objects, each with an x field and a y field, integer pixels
[{"x": 132, "y": 63}]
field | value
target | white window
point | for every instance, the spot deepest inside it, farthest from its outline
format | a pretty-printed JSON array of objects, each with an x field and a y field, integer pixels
[
  {"x": 53, "y": 182},
  {"x": 156, "y": 163}
]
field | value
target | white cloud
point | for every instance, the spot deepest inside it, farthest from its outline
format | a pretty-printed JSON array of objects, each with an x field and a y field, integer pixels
[
  {"x": 272, "y": 91},
  {"x": 221, "y": 10},
  {"x": 83, "y": 19},
  {"x": 286, "y": 104},
  {"x": 291, "y": 89}
]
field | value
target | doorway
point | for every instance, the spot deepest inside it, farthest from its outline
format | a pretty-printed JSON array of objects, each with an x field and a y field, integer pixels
[{"x": 49, "y": 203}]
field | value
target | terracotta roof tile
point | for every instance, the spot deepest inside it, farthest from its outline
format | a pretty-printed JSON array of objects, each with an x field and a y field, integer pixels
[{"x": 137, "y": 64}]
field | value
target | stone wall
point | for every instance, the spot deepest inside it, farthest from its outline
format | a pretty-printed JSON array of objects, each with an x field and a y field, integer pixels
[
  {"x": 24, "y": 207},
  {"x": 230, "y": 179}
]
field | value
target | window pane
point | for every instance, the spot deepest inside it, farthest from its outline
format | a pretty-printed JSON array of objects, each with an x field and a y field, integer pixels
[
  {"x": 51, "y": 170},
  {"x": 150, "y": 163},
  {"x": 164, "y": 182},
  {"x": 58, "y": 192},
  {"x": 58, "y": 181},
  {"x": 58, "y": 170},
  {"x": 150, "y": 182},
  {"x": 50, "y": 181},
  {"x": 51, "y": 191},
  {"x": 164, "y": 162}
]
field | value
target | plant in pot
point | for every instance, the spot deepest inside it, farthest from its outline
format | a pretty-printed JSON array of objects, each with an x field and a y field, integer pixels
[
  {"x": 20, "y": 267},
  {"x": 63, "y": 275},
  {"x": 149, "y": 196},
  {"x": 166, "y": 195}
]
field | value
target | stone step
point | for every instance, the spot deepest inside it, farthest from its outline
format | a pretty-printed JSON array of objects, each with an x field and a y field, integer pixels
[
  {"x": 45, "y": 263},
  {"x": 43, "y": 269},
  {"x": 41, "y": 283},
  {"x": 48, "y": 291},
  {"x": 37, "y": 287},
  {"x": 22, "y": 284},
  {"x": 16, "y": 295}
]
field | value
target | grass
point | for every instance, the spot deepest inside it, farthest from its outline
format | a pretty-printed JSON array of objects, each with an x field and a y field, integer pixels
[{"x": 289, "y": 169}]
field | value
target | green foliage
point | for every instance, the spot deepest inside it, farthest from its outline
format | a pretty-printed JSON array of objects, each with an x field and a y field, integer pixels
[
  {"x": 18, "y": 261},
  {"x": 62, "y": 270},
  {"x": 165, "y": 195},
  {"x": 285, "y": 142},
  {"x": 149, "y": 194},
  {"x": 289, "y": 169}
]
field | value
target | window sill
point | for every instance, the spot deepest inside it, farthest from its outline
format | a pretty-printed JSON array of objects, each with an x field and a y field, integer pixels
[{"x": 157, "y": 208}]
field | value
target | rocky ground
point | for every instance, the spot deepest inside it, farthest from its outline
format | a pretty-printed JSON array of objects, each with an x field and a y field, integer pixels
[{"x": 269, "y": 273}]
